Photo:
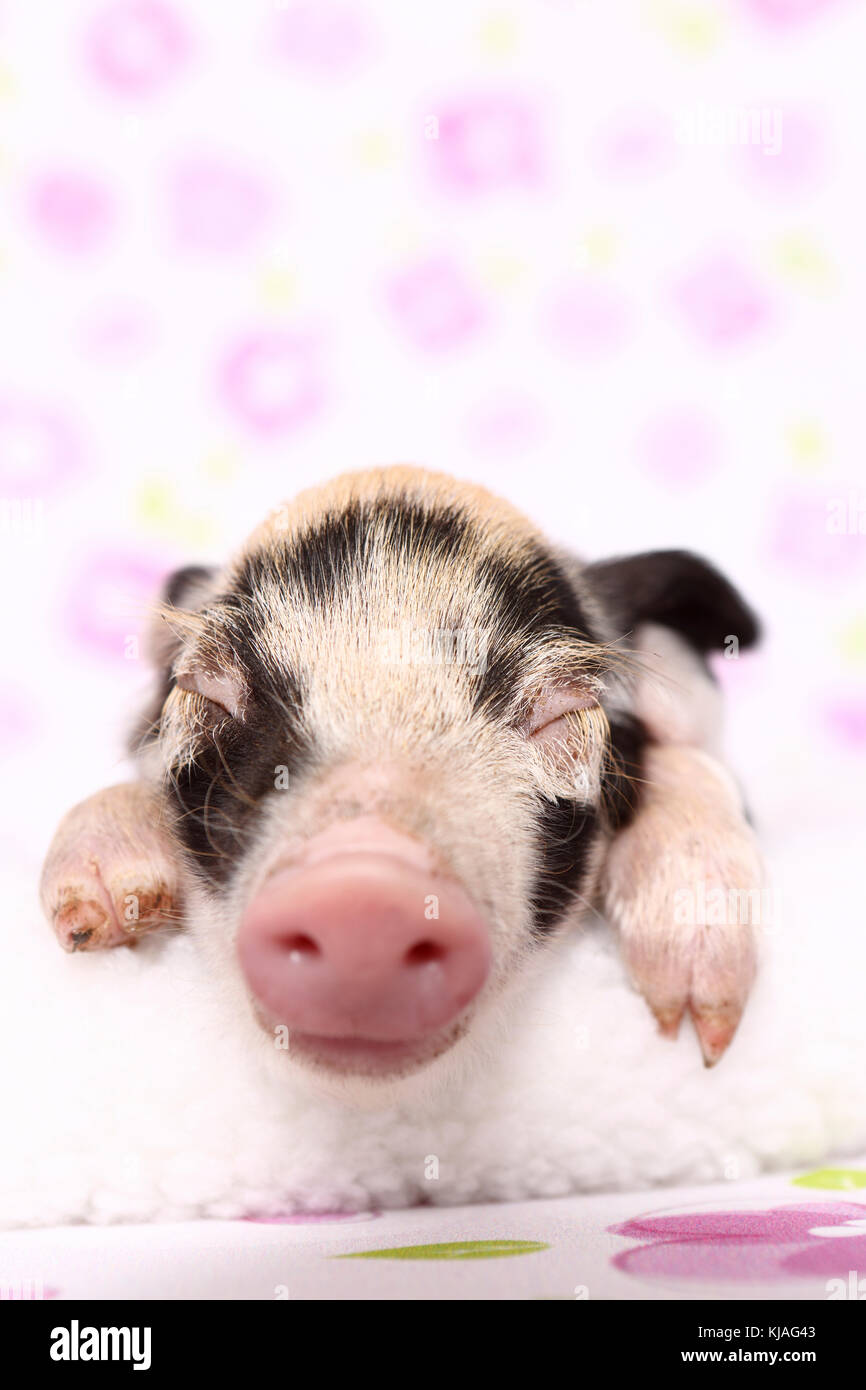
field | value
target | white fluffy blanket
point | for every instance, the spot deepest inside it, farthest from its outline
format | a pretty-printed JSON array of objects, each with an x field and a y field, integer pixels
[{"x": 127, "y": 1094}]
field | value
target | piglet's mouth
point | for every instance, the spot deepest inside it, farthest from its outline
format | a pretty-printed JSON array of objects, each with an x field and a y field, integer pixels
[
  {"x": 371, "y": 1057},
  {"x": 366, "y": 956}
]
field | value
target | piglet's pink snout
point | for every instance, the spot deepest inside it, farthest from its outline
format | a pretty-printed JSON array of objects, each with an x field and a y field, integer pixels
[{"x": 365, "y": 946}]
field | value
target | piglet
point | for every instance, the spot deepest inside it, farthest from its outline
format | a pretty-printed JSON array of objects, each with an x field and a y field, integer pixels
[{"x": 400, "y": 744}]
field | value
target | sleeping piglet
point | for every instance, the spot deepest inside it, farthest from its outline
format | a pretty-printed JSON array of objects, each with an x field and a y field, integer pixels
[{"x": 400, "y": 744}]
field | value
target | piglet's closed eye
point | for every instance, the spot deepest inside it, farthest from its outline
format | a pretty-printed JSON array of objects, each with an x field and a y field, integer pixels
[
  {"x": 567, "y": 735},
  {"x": 546, "y": 720},
  {"x": 222, "y": 688}
]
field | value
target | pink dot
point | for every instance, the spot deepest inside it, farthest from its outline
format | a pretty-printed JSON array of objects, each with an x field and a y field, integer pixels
[
  {"x": 722, "y": 302},
  {"x": 510, "y": 424},
  {"x": 323, "y": 38},
  {"x": 216, "y": 205},
  {"x": 108, "y": 599},
  {"x": 118, "y": 334},
  {"x": 634, "y": 143},
  {"x": 797, "y": 163},
  {"x": 435, "y": 305},
  {"x": 681, "y": 449},
  {"x": 782, "y": 13},
  {"x": 17, "y": 720},
  {"x": 816, "y": 535},
  {"x": 270, "y": 380},
  {"x": 588, "y": 320},
  {"x": 136, "y": 46},
  {"x": 486, "y": 143},
  {"x": 846, "y": 720},
  {"x": 739, "y": 673},
  {"x": 74, "y": 212},
  {"x": 753, "y": 1245},
  {"x": 39, "y": 450}
]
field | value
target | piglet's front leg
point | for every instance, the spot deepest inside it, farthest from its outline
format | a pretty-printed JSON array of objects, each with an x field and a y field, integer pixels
[
  {"x": 111, "y": 873},
  {"x": 681, "y": 884}
]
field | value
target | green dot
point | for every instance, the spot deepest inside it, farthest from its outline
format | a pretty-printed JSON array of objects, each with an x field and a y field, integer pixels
[
  {"x": 838, "y": 1179},
  {"x": 451, "y": 1250}
]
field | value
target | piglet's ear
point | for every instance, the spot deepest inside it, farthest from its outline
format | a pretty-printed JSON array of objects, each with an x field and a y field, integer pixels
[
  {"x": 184, "y": 593},
  {"x": 188, "y": 587},
  {"x": 186, "y": 590},
  {"x": 677, "y": 590}
]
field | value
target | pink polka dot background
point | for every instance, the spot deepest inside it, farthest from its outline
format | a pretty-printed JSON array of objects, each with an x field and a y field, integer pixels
[{"x": 606, "y": 259}]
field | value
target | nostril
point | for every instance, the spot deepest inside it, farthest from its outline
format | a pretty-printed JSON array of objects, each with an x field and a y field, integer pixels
[
  {"x": 301, "y": 947},
  {"x": 424, "y": 952}
]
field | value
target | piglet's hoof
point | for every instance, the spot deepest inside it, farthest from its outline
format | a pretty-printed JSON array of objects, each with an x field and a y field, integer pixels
[
  {"x": 681, "y": 884},
  {"x": 111, "y": 873},
  {"x": 89, "y": 916}
]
